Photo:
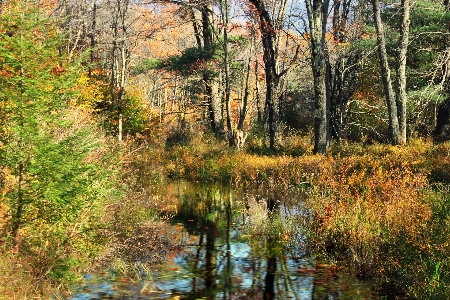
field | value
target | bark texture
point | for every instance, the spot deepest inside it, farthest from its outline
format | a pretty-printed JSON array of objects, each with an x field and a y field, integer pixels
[
  {"x": 317, "y": 11},
  {"x": 212, "y": 97},
  {"x": 401, "y": 72},
  {"x": 394, "y": 130},
  {"x": 268, "y": 37},
  {"x": 396, "y": 101}
]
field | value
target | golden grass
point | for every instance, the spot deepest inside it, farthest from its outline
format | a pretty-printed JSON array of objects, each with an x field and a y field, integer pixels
[
  {"x": 17, "y": 282},
  {"x": 373, "y": 206}
]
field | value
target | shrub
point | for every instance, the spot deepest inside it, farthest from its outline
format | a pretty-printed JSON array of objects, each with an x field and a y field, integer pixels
[{"x": 59, "y": 172}]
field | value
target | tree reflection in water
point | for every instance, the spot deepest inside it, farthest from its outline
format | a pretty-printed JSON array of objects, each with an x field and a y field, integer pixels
[
  {"x": 242, "y": 246},
  {"x": 243, "y": 251}
]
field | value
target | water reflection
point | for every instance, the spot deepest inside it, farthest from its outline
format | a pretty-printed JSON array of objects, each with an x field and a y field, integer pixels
[{"x": 242, "y": 246}]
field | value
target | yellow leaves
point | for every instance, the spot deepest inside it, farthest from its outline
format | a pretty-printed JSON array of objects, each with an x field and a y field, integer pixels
[
  {"x": 47, "y": 6},
  {"x": 6, "y": 71},
  {"x": 83, "y": 80},
  {"x": 4, "y": 216},
  {"x": 90, "y": 93}
]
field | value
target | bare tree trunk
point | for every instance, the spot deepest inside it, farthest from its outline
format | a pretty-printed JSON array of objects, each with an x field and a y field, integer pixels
[
  {"x": 317, "y": 12},
  {"x": 119, "y": 60},
  {"x": 92, "y": 46},
  {"x": 268, "y": 36},
  {"x": 113, "y": 63},
  {"x": 17, "y": 217},
  {"x": 259, "y": 108},
  {"x": 401, "y": 93},
  {"x": 224, "y": 13},
  {"x": 244, "y": 102},
  {"x": 396, "y": 103},
  {"x": 278, "y": 13},
  {"x": 212, "y": 96},
  {"x": 121, "y": 91},
  {"x": 394, "y": 130},
  {"x": 196, "y": 29}
]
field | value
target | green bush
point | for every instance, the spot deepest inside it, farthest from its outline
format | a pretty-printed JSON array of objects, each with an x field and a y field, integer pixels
[{"x": 58, "y": 171}]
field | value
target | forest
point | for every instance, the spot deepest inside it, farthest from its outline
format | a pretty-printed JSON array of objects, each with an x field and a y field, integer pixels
[{"x": 342, "y": 107}]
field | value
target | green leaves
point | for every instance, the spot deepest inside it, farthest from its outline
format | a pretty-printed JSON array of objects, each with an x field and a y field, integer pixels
[
  {"x": 61, "y": 175},
  {"x": 194, "y": 60},
  {"x": 147, "y": 65}
]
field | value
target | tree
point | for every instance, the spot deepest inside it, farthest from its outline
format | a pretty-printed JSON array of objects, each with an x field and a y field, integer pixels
[
  {"x": 317, "y": 16},
  {"x": 224, "y": 14},
  {"x": 55, "y": 166},
  {"x": 342, "y": 70},
  {"x": 202, "y": 59},
  {"x": 396, "y": 101},
  {"x": 211, "y": 81},
  {"x": 92, "y": 38},
  {"x": 269, "y": 37},
  {"x": 442, "y": 130},
  {"x": 120, "y": 57},
  {"x": 77, "y": 22}
]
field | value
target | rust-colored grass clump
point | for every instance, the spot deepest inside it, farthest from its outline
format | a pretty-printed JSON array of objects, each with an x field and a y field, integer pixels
[{"x": 379, "y": 209}]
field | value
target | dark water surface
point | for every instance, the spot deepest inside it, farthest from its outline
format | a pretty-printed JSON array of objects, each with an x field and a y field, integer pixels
[{"x": 239, "y": 246}]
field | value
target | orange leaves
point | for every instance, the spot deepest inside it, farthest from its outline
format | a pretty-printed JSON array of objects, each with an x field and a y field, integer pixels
[
  {"x": 160, "y": 33},
  {"x": 6, "y": 71},
  {"x": 48, "y": 5},
  {"x": 231, "y": 27},
  {"x": 362, "y": 202},
  {"x": 58, "y": 70}
]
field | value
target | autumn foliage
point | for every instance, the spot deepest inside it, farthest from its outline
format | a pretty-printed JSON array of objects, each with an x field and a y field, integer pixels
[
  {"x": 139, "y": 69},
  {"x": 375, "y": 209}
]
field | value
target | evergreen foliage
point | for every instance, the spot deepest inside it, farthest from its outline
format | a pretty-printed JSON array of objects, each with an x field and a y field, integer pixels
[
  {"x": 57, "y": 173},
  {"x": 428, "y": 24},
  {"x": 147, "y": 65},
  {"x": 193, "y": 60}
]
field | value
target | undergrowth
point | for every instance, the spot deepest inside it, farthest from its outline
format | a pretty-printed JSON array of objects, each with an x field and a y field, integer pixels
[{"x": 381, "y": 209}]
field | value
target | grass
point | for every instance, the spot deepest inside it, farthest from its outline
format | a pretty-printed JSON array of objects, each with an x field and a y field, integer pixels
[
  {"x": 382, "y": 209},
  {"x": 17, "y": 281}
]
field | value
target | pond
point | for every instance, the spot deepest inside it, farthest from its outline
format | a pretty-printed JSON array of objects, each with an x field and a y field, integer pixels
[{"x": 236, "y": 245}]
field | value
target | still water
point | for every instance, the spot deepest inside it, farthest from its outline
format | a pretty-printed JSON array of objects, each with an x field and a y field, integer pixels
[{"x": 236, "y": 245}]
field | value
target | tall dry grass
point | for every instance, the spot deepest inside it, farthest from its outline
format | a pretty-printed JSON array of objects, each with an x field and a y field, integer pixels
[{"x": 380, "y": 209}]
